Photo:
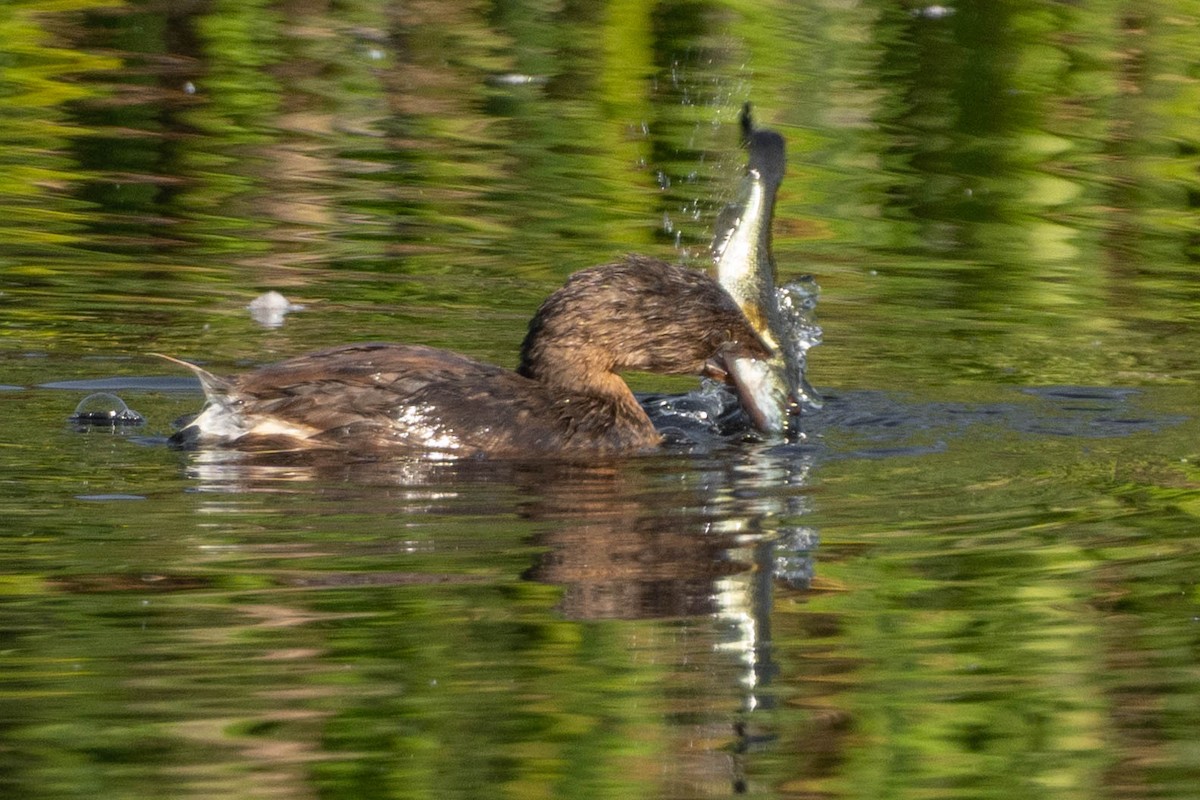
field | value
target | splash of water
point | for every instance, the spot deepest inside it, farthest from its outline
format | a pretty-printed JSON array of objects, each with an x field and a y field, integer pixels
[{"x": 797, "y": 305}]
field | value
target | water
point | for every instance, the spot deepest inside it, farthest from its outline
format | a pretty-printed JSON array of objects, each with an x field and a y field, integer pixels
[{"x": 971, "y": 576}]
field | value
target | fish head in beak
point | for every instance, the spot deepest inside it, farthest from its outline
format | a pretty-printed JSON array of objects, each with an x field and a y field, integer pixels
[
  {"x": 754, "y": 367},
  {"x": 756, "y": 371},
  {"x": 764, "y": 393},
  {"x": 751, "y": 345}
]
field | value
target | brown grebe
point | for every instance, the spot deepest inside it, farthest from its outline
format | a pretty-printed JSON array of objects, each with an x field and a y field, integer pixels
[{"x": 565, "y": 397}]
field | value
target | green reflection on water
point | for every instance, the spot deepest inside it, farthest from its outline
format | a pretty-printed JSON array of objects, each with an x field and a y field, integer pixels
[{"x": 1003, "y": 196}]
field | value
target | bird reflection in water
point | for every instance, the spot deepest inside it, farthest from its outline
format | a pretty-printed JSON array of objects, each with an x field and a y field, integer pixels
[{"x": 701, "y": 543}]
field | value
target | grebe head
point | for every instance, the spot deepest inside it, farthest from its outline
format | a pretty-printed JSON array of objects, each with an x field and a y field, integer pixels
[{"x": 638, "y": 314}]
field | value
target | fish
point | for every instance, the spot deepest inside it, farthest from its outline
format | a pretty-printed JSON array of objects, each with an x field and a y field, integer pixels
[{"x": 770, "y": 390}]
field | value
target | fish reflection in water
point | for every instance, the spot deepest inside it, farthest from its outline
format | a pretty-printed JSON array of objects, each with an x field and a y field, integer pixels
[{"x": 773, "y": 390}]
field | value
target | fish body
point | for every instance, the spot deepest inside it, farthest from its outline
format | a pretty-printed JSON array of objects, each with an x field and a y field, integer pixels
[{"x": 745, "y": 266}]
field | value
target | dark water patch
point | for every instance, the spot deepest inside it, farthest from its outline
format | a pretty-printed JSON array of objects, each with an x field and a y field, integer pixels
[
  {"x": 1099, "y": 393},
  {"x": 891, "y": 422},
  {"x": 130, "y": 582},
  {"x": 148, "y": 441},
  {"x": 146, "y": 383},
  {"x": 1090, "y": 412},
  {"x": 108, "y": 498},
  {"x": 894, "y": 452}
]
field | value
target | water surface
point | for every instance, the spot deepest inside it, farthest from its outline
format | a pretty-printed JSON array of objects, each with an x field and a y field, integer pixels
[{"x": 973, "y": 576}]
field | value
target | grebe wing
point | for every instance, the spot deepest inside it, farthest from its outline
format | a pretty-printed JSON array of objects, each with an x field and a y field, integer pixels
[{"x": 354, "y": 383}]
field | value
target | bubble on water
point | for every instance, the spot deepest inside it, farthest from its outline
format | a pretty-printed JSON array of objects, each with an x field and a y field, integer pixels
[{"x": 104, "y": 410}]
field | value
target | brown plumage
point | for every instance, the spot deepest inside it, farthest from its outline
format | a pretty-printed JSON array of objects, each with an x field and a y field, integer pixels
[{"x": 566, "y": 396}]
